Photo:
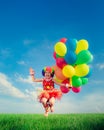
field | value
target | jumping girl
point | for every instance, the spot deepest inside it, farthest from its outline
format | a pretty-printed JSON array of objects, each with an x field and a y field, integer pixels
[{"x": 49, "y": 94}]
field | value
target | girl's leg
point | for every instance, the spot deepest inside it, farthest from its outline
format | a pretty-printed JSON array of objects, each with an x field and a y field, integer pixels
[
  {"x": 46, "y": 107},
  {"x": 44, "y": 102},
  {"x": 51, "y": 102}
]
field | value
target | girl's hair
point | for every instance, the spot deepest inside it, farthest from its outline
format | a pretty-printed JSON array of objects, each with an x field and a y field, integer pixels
[{"x": 49, "y": 69}]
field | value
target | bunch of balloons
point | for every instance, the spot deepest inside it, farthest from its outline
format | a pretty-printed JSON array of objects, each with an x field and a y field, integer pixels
[{"x": 72, "y": 63}]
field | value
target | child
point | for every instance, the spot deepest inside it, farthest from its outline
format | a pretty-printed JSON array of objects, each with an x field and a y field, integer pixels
[{"x": 49, "y": 94}]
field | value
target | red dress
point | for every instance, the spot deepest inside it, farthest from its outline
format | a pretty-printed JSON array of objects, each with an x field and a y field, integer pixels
[{"x": 49, "y": 91}]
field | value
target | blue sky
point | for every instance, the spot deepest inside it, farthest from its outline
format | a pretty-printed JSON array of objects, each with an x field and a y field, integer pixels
[{"x": 29, "y": 30}]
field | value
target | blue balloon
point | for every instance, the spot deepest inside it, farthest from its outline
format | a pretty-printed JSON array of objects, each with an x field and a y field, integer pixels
[
  {"x": 71, "y": 44},
  {"x": 70, "y": 57}
]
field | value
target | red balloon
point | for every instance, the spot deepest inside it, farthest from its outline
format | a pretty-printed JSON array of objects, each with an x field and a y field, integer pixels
[
  {"x": 63, "y": 40},
  {"x": 54, "y": 55},
  {"x": 60, "y": 62},
  {"x": 63, "y": 88},
  {"x": 76, "y": 90}
]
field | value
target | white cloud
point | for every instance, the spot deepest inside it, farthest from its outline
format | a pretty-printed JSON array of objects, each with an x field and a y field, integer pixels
[
  {"x": 35, "y": 88},
  {"x": 6, "y": 88},
  {"x": 21, "y": 62},
  {"x": 14, "y": 106},
  {"x": 24, "y": 80},
  {"x": 5, "y": 52},
  {"x": 90, "y": 103},
  {"x": 28, "y": 80},
  {"x": 100, "y": 66},
  {"x": 32, "y": 94},
  {"x": 27, "y": 42},
  {"x": 97, "y": 82}
]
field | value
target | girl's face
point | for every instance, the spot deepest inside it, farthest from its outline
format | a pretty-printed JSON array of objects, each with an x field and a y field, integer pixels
[{"x": 47, "y": 74}]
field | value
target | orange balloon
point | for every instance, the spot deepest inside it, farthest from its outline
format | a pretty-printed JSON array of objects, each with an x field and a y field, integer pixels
[
  {"x": 58, "y": 80},
  {"x": 58, "y": 73}
]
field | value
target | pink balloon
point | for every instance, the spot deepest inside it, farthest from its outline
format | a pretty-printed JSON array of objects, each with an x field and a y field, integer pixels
[
  {"x": 60, "y": 62},
  {"x": 63, "y": 40},
  {"x": 76, "y": 90},
  {"x": 63, "y": 88}
]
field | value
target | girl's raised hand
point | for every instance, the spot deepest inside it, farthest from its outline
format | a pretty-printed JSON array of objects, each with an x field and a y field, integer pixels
[{"x": 32, "y": 72}]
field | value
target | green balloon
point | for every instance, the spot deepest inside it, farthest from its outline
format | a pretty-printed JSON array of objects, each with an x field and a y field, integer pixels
[
  {"x": 84, "y": 57},
  {"x": 91, "y": 59},
  {"x": 76, "y": 81},
  {"x": 84, "y": 81}
]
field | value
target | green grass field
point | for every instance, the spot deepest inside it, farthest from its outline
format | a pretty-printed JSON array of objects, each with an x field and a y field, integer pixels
[{"x": 53, "y": 122}]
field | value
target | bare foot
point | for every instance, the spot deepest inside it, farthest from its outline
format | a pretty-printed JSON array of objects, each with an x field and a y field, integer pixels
[
  {"x": 47, "y": 108},
  {"x": 46, "y": 114},
  {"x": 52, "y": 109}
]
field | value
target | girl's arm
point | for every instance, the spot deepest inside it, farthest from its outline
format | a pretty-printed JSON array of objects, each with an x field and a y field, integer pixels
[
  {"x": 33, "y": 77},
  {"x": 62, "y": 84},
  {"x": 36, "y": 80}
]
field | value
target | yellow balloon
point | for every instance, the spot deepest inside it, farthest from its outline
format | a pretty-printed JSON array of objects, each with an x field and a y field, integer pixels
[
  {"x": 71, "y": 81},
  {"x": 81, "y": 45},
  {"x": 81, "y": 70},
  {"x": 60, "y": 48},
  {"x": 68, "y": 71}
]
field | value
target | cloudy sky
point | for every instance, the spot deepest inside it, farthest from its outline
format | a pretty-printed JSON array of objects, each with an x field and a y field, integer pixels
[{"x": 29, "y": 30}]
